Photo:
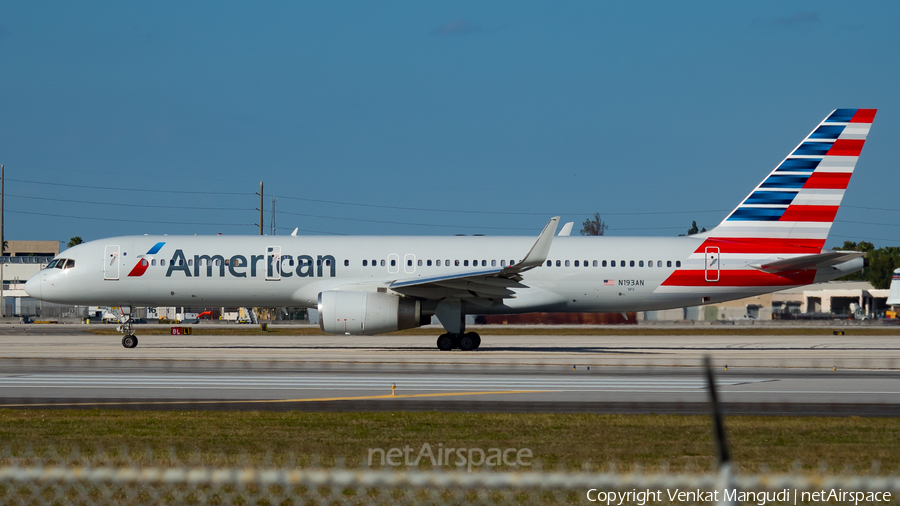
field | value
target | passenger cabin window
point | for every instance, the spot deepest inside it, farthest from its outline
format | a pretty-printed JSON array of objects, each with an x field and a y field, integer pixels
[
  {"x": 631, "y": 263},
  {"x": 409, "y": 262},
  {"x": 585, "y": 263},
  {"x": 659, "y": 263},
  {"x": 612, "y": 263},
  {"x": 428, "y": 263},
  {"x": 438, "y": 263},
  {"x": 567, "y": 263},
  {"x": 549, "y": 263},
  {"x": 493, "y": 263},
  {"x": 153, "y": 262},
  {"x": 365, "y": 263},
  {"x": 382, "y": 262},
  {"x": 640, "y": 263},
  {"x": 558, "y": 263},
  {"x": 162, "y": 262},
  {"x": 622, "y": 263},
  {"x": 677, "y": 263},
  {"x": 456, "y": 263},
  {"x": 346, "y": 263},
  {"x": 576, "y": 263},
  {"x": 465, "y": 263},
  {"x": 393, "y": 263},
  {"x": 668, "y": 263},
  {"x": 650, "y": 263},
  {"x": 420, "y": 263},
  {"x": 502, "y": 263},
  {"x": 595, "y": 263}
]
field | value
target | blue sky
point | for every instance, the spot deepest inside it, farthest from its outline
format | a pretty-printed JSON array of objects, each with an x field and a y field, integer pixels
[{"x": 476, "y": 117}]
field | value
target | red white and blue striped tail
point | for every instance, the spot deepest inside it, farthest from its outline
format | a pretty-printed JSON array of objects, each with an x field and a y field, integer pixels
[{"x": 793, "y": 208}]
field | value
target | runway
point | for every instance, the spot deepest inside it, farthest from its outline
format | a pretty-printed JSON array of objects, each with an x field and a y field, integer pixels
[{"x": 785, "y": 375}]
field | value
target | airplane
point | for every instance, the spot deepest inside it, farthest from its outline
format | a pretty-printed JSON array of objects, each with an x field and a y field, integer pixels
[
  {"x": 367, "y": 285},
  {"x": 893, "y": 300}
]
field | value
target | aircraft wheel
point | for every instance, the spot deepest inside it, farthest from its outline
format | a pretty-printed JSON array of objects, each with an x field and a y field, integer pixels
[
  {"x": 467, "y": 342},
  {"x": 130, "y": 341},
  {"x": 477, "y": 340},
  {"x": 445, "y": 342}
]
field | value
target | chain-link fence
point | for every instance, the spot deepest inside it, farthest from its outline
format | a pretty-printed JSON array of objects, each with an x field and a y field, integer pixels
[{"x": 101, "y": 478}]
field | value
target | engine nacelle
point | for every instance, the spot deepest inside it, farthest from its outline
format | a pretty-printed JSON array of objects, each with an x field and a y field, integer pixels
[{"x": 366, "y": 313}]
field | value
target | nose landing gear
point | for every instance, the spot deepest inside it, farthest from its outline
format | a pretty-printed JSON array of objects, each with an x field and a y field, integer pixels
[{"x": 127, "y": 327}]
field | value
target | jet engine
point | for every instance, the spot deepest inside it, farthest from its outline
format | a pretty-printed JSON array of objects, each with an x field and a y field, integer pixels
[{"x": 366, "y": 313}]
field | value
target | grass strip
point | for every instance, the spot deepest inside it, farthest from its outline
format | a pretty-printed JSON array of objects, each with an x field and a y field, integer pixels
[{"x": 655, "y": 442}]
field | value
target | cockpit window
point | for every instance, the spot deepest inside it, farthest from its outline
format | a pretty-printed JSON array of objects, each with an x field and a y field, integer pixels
[
  {"x": 61, "y": 263},
  {"x": 70, "y": 263},
  {"x": 52, "y": 264}
]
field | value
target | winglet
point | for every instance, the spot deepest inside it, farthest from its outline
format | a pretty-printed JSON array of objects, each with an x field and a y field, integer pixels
[
  {"x": 293, "y": 234},
  {"x": 538, "y": 253},
  {"x": 566, "y": 230}
]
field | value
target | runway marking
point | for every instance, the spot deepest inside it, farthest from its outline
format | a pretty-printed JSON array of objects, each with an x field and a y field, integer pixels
[
  {"x": 357, "y": 383},
  {"x": 270, "y": 401}
]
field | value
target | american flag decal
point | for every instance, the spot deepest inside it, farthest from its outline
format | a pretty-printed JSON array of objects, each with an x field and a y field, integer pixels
[{"x": 609, "y": 282}]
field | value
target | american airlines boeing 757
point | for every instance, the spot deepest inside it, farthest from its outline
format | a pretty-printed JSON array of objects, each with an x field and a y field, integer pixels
[{"x": 366, "y": 285}]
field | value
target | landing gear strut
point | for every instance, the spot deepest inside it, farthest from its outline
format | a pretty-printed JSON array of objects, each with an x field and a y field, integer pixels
[{"x": 127, "y": 327}]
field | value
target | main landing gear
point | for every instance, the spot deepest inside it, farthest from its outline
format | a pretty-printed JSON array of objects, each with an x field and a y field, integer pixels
[
  {"x": 127, "y": 327},
  {"x": 450, "y": 313},
  {"x": 465, "y": 342}
]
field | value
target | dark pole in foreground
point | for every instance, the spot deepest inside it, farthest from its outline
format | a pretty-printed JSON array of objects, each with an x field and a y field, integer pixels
[
  {"x": 716, "y": 413},
  {"x": 719, "y": 429}
]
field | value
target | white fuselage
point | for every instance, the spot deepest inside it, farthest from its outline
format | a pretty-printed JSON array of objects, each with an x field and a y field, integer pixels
[{"x": 290, "y": 271}]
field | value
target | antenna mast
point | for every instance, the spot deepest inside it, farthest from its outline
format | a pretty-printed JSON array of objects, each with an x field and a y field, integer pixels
[{"x": 274, "y": 229}]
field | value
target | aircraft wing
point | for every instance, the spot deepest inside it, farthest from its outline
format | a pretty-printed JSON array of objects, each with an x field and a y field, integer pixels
[
  {"x": 482, "y": 284},
  {"x": 818, "y": 261}
]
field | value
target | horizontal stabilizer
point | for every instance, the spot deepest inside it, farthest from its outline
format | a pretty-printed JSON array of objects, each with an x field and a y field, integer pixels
[{"x": 808, "y": 261}]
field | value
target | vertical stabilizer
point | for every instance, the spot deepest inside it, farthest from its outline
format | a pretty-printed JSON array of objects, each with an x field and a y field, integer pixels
[
  {"x": 796, "y": 203},
  {"x": 894, "y": 296}
]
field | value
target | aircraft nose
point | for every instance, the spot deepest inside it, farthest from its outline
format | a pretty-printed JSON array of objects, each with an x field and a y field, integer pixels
[{"x": 33, "y": 286}]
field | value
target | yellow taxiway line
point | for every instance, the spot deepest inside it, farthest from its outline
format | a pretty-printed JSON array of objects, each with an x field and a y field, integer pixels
[{"x": 271, "y": 401}]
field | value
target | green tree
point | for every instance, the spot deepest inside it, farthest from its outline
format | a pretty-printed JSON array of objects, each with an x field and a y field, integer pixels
[
  {"x": 594, "y": 226},
  {"x": 693, "y": 230},
  {"x": 75, "y": 241}
]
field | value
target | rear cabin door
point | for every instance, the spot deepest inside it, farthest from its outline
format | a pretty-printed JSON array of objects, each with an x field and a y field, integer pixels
[
  {"x": 712, "y": 264},
  {"x": 111, "y": 262}
]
